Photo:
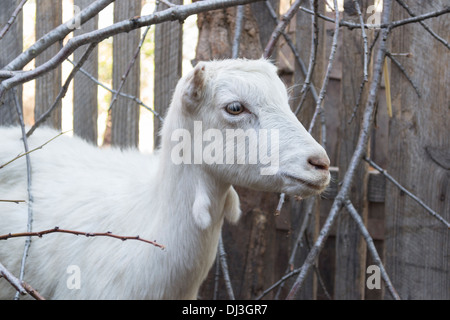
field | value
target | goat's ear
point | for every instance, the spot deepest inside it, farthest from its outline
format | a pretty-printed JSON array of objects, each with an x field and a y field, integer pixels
[
  {"x": 195, "y": 86},
  {"x": 232, "y": 208}
]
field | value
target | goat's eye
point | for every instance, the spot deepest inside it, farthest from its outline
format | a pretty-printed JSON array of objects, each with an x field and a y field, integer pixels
[{"x": 235, "y": 108}]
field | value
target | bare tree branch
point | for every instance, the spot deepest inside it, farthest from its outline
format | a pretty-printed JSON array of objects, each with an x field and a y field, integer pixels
[
  {"x": 356, "y": 158},
  {"x": 130, "y": 65},
  {"x": 240, "y": 13},
  {"x": 363, "y": 82},
  {"x": 32, "y": 292},
  {"x": 21, "y": 286},
  {"x": 309, "y": 207},
  {"x": 128, "y": 96},
  {"x": 4, "y": 74},
  {"x": 16, "y": 283},
  {"x": 319, "y": 109},
  {"x": 285, "y": 19},
  {"x": 410, "y": 194},
  {"x": 424, "y": 25},
  {"x": 63, "y": 90},
  {"x": 12, "y": 19},
  {"x": 28, "y": 152},
  {"x": 56, "y": 35},
  {"x": 405, "y": 73},
  {"x": 354, "y": 214},
  {"x": 78, "y": 233},
  {"x": 13, "y": 201},
  {"x": 312, "y": 55},
  {"x": 30, "y": 195},
  {"x": 224, "y": 265},
  {"x": 391, "y": 25},
  {"x": 364, "y": 36},
  {"x": 179, "y": 12},
  {"x": 279, "y": 282},
  {"x": 291, "y": 45}
]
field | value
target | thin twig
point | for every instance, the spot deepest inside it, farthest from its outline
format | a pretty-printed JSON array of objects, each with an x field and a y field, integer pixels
[
  {"x": 167, "y": 3},
  {"x": 405, "y": 73},
  {"x": 319, "y": 109},
  {"x": 363, "y": 82},
  {"x": 128, "y": 96},
  {"x": 216, "y": 278},
  {"x": 312, "y": 55},
  {"x": 13, "y": 201},
  {"x": 364, "y": 36},
  {"x": 63, "y": 90},
  {"x": 391, "y": 25},
  {"x": 279, "y": 282},
  {"x": 309, "y": 203},
  {"x": 224, "y": 265},
  {"x": 37, "y": 148},
  {"x": 78, "y": 233},
  {"x": 286, "y": 277},
  {"x": 410, "y": 194},
  {"x": 12, "y": 19},
  {"x": 317, "y": 272},
  {"x": 29, "y": 182},
  {"x": 285, "y": 19},
  {"x": 32, "y": 292},
  {"x": 130, "y": 65},
  {"x": 16, "y": 283},
  {"x": 291, "y": 45},
  {"x": 362, "y": 228},
  {"x": 356, "y": 159},
  {"x": 240, "y": 12},
  {"x": 309, "y": 207}
]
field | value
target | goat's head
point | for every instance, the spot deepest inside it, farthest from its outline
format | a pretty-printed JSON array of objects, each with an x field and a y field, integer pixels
[{"x": 244, "y": 131}]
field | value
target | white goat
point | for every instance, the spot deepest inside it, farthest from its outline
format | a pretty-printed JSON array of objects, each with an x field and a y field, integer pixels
[{"x": 180, "y": 205}]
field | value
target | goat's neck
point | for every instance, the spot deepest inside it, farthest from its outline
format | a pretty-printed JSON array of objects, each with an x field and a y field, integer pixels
[{"x": 197, "y": 191}]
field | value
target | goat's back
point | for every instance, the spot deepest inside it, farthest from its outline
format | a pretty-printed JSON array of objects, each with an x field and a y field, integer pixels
[{"x": 75, "y": 186}]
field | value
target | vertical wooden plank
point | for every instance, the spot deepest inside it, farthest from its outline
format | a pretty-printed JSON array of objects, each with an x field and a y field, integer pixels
[
  {"x": 48, "y": 17},
  {"x": 350, "y": 245},
  {"x": 264, "y": 20},
  {"x": 10, "y": 47},
  {"x": 168, "y": 63},
  {"x": 85, "y": 110},
  {"x": 125, "y": 112},
  {"x": 303, "y": 33},
  {"x": 417, "y": 245}
]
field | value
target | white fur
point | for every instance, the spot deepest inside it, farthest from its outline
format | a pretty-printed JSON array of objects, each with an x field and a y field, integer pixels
[{"x": 80, "y": 187}]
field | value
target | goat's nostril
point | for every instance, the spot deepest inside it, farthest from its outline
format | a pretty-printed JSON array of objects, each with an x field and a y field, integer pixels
[{"x": 320, "y": 163}]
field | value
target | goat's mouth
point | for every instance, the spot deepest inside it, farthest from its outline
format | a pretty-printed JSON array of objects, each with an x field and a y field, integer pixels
[{"x": 315, "y": 187}]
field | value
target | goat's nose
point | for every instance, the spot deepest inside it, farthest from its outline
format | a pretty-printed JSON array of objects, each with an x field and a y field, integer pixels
[{"x": 319, "y": 162}]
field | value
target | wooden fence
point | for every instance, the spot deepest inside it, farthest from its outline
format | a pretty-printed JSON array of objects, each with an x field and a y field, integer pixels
[{"x": 411, "y": 145}]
